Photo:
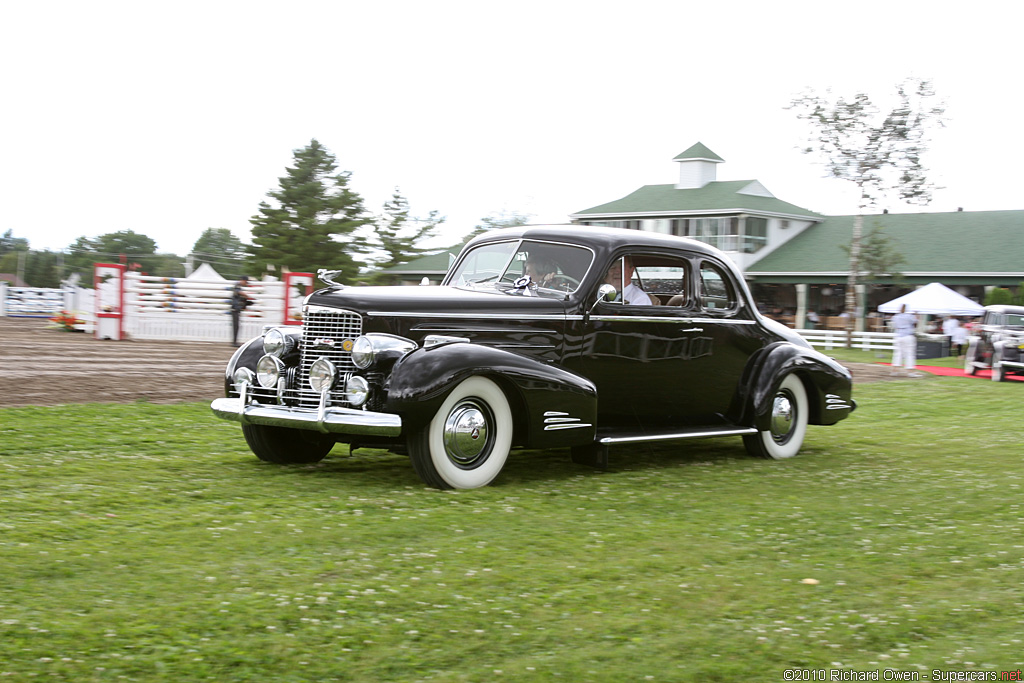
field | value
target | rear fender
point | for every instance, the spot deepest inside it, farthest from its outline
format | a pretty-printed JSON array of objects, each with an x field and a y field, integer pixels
[
  {"x": 828, "y": 384},
  {"x": 553, "y": 408}
]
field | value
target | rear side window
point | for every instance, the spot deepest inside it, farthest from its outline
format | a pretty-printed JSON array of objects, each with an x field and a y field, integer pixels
[{"x": 717, "y": 292}]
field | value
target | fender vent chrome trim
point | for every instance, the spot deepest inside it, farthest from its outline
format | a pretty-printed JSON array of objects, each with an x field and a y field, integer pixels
[{"x": 554, "y": 421}]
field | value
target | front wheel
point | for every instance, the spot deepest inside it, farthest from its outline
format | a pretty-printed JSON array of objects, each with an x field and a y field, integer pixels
[
  {"x": 787, "y": 425},
  {"x": 467, "y": 442},
  {"x": 998, "y": 373},
  {"x": 287, "y": 446}
]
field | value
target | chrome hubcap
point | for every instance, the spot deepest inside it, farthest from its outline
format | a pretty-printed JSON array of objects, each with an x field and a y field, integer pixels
[
  {"x": 466, "y": 433},
  {"x": 783, "y": 417}
]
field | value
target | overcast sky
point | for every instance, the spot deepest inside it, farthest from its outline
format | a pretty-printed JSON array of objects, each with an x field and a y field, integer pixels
[{"x": 170, "y": 118}]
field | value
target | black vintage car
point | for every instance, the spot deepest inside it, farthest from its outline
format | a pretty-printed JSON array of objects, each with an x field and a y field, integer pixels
[
  {"x": 539, "y": 337},
  {"x": 998, "y": 343}
]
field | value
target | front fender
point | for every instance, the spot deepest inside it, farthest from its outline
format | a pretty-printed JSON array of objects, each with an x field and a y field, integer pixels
[
  {"x": 829, "y": 385},
  {"x": 553, "y": 407},
  {"x": 247, "y": 355}
]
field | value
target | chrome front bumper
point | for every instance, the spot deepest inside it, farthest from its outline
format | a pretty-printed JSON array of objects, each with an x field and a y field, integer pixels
[{"x": 322, "y": 419}]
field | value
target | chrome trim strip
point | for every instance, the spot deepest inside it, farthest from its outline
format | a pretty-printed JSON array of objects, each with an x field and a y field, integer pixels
[
  {"x": 554, "y": 413},
  {"x": 664, "y": 319},
  {"x": 322, "y": 418},
  {"x": 471, "y": 316},
  {"x": 684, "y": 435},
  {"x": 1012, "y": 364},
  {"x": 555, "y": 428}
]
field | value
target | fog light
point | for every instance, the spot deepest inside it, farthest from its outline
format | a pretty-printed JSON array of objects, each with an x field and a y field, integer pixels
[
  {"x": 322, "y": 374},
  {"x": 269, "y": 370},
  {"x": 243, "y": 375},
  {"x": 357, "y": 390}
]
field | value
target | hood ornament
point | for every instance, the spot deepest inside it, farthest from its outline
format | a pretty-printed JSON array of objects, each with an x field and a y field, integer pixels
[{"x": 328, "y": 276}]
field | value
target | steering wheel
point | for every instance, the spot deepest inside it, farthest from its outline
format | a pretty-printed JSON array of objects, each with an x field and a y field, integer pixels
[{"x": 563, "y": 282}]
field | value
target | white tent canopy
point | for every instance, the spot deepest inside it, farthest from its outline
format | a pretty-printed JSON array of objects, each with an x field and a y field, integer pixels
[
  {"x": 205, "y": 272},
  {"x": 934, "y": 299}
]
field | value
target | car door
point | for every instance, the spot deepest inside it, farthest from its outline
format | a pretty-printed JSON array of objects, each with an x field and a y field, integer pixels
[{"x": 655, "y": 365}]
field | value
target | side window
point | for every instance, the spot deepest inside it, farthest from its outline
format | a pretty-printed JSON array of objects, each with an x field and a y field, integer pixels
[
  {"x": 650, "y": 280},
  {"x": 716, "y": 290}
]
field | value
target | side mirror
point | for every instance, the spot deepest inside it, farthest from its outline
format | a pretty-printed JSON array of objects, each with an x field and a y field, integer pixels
[{"x": 605, "y": 292}]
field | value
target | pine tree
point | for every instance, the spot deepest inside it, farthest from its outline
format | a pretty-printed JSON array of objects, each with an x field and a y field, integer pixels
[{"x": 312, "y": 225}]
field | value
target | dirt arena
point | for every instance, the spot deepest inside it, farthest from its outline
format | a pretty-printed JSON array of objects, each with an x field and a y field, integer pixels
[{"x": 46, "y": 366}]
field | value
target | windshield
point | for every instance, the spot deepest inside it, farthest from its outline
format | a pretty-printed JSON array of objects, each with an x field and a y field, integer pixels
[{"x": 528, "y": 267}]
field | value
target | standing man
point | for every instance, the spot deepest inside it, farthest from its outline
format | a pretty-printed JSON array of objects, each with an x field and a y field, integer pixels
[
  {"x": 904, "y": 348},
  {"x": 239, "y": 302}
]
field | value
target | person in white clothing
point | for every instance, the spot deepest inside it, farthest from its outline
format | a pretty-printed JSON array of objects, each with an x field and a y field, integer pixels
[
  {"x": 620, "y": 276},
  {"x": 904, "y": 350},
  {"x": 957, "y": 336}
]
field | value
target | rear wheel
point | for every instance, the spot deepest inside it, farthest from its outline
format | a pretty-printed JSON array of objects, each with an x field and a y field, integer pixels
[
  {"x": 286, "y": 446},
  {"x": 787, "y": 424},
  {"x": 467, "y": 442}
]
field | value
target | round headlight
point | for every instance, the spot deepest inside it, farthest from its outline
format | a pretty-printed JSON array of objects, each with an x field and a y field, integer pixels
[
  {"x": 243, "y": 375},
  {"x": 357, "y": 390},
  {"x": 268, "y": 370},
  {"x": 322, "y": 374},
  {"x": 363, "y": 352},
  {"x": 273, "y": 342}
]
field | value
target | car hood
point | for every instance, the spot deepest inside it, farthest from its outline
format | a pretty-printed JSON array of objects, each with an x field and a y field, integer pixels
[{"x": 411, "y": 300}]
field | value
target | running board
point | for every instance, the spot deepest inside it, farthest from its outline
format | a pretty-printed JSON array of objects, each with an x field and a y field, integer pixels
[{"x": 596, "y": 454}]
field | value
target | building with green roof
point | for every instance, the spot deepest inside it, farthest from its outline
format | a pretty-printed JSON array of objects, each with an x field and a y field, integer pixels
[{"x": 794, "y": 258}]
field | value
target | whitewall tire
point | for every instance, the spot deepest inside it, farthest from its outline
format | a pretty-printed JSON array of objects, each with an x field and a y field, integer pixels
[
  {"x": 467, "y": 442},
  {"x": 787, "y": 426}
]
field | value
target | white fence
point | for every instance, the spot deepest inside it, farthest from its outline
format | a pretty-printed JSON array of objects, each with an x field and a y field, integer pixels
[
  {"x": 162, "y": 308},
  {"x": 30, "y": 302},
  {"x": 835, "y": 339},
  {"x": 199, "y": 310}
]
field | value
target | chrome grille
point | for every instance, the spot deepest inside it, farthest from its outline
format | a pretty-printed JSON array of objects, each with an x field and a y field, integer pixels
[{"x": 323, "y": 324}]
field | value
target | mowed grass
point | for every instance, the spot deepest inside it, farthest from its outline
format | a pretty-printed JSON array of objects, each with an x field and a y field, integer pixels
[{"x": 145, "y": 543}]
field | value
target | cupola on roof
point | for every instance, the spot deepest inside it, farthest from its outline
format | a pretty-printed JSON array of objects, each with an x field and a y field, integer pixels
[{"x": 697, "y": 167}]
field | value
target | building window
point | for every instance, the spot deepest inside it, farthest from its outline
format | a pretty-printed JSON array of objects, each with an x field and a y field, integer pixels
[
  {"x": 722, "y": 233},
  {"x": 755, "y": 234}
]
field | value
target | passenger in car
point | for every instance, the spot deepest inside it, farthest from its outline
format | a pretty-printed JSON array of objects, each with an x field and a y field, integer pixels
[{"x": 620, "y": 276}]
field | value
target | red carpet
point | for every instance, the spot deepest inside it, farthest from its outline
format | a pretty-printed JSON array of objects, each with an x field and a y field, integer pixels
[{"x": 959, "y": 372}]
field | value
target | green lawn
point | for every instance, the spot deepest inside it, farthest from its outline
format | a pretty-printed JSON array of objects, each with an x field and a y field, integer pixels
[{"x": 144, "y": 543}]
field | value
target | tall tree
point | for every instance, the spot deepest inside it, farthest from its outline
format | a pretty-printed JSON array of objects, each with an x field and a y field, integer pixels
[
  {"x": 9, "y": 243},
  {"x": 222, "y": 250},
  {"x": 314, "y": 218},
  {"x": 400, "y": 237},
  {"x": 879, "y": 152},
  {"x": 136, "y": 250},
  {"x": 218, "y": 243}
]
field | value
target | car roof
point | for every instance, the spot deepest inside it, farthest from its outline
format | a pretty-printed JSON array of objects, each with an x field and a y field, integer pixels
[
  {"x": 1018, "y": 310},
  {"x": 598, "y": 238}
]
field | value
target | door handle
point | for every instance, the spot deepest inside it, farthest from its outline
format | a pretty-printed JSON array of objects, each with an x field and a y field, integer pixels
[{"x": 693, "y": 329}]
